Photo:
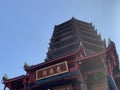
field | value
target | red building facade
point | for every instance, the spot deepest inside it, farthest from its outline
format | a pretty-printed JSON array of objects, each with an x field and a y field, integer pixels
[{"x": 77, "y": 59}]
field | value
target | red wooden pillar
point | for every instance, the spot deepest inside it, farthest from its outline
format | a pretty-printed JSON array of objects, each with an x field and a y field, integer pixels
[
  {"x": 77, "y": 66},
  {"x": 24, "y": 83},
  {"x": 109, "y": 67},
  {"x": 31, "y": 77},
  {"x": 10, "y": 86}
]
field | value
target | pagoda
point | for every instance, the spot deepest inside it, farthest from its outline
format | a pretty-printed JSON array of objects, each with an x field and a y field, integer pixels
[{"x": 77, "y": 59}]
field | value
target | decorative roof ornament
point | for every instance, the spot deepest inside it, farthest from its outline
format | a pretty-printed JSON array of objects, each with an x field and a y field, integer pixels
[
  {"x": 80, "y": 44},
  {"x": 26, "y": 65},
  {"x": 109, "y": 41},
  {"x": 5, "y": 77},
  {"x": 73, "y": 17}
]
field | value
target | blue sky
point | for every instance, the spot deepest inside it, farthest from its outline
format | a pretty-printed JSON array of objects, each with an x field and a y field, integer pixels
[{"x": 26, "y": 27}]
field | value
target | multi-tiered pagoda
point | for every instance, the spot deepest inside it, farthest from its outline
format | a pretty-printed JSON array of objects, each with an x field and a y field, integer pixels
[{"x": 77, "y": 59}]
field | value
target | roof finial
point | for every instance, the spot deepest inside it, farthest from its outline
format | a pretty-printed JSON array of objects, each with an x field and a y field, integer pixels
[
  {"x": 5, "y": 77},
  {"x": 73, "y": 18},
  {"x": 109, "y": 41},
  {"x": 26, "y": 65}
]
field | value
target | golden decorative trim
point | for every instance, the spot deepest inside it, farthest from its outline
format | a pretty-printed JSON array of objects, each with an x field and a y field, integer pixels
[{"x": 53, "y": 70}]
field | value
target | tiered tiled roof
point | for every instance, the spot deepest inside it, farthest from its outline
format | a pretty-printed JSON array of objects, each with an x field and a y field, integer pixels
[{"x": 67, "y": 37}]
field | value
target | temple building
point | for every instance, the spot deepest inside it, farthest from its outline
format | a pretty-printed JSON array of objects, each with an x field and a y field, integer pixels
[{"x": 77, "y": 59}]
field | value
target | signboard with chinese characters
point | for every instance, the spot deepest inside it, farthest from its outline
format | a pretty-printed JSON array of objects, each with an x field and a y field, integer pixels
[
  {"x": 64, "y": 87},
  {"x": 52, "y": 70}
]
